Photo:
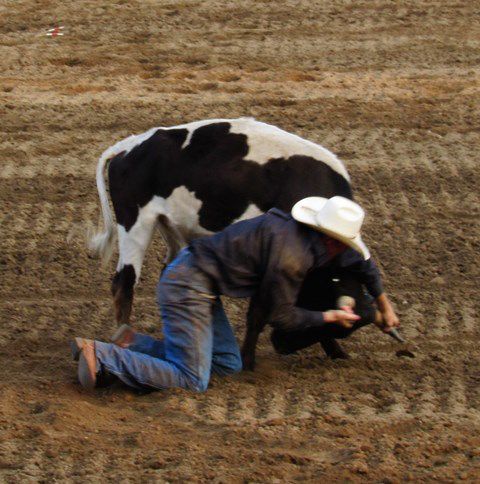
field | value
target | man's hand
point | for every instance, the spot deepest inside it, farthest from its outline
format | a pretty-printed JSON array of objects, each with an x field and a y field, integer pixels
[
  {"x": 390, "y": 319},
  {"x": 344, "y": 317}
]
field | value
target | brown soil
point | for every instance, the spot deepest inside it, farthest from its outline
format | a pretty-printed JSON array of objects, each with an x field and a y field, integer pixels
[{"x": 392, "y": 87}]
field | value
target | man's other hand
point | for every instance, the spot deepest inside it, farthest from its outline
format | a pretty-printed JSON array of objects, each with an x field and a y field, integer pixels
[{"x": 390, "y": 319}]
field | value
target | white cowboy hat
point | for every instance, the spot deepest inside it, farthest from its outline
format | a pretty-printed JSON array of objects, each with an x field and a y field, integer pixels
[{"x": 338, "y": 217}]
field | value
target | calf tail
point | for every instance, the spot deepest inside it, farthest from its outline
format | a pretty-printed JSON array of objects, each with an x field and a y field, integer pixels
[{"x": 101, "y": 243}]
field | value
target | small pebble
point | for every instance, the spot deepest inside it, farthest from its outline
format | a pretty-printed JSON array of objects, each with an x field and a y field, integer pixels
[{"x": 439, "y": 281}]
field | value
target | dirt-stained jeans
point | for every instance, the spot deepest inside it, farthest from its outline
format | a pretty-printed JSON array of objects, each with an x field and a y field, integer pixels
[{"x": 198, "y": 337}]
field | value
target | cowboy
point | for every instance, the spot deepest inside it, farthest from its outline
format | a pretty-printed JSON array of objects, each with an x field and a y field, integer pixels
[
  {"x": 267, "y": 257},
  {"x": 337, "y": 284}
]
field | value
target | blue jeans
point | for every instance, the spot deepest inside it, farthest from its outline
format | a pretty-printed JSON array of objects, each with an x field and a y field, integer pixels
[{"x": 198, "y": 338}]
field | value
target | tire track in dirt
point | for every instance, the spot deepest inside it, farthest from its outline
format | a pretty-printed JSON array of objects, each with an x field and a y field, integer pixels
[{"x": 254, "y": 409}]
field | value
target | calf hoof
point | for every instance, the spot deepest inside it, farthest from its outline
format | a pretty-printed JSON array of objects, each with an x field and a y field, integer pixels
[
  {"x": 248, "y": 363},
  {"x": 333, "y": 349},
  {"x": 339, "y": 355}
]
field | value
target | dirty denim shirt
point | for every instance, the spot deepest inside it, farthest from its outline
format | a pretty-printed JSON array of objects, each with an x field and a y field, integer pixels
[{"x": 269, "y": 257}]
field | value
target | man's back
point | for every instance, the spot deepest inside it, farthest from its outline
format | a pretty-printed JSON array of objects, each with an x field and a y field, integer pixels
[
  {"x": 238, "y": 257},
  {"x": 270, "y": 256}
]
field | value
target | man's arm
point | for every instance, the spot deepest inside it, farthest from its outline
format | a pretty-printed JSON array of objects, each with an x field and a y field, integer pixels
[
  {"x": 279, "y": 290},
  {"x": 278, "y": 293},
  {"x": 368, "y": 274},
  {"x": 278, "y": 303}
]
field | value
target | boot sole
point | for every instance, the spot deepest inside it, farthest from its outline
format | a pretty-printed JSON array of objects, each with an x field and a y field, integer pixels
[
  {"x": 85, "y": 376},
  {"x": 76, "y": 348}
]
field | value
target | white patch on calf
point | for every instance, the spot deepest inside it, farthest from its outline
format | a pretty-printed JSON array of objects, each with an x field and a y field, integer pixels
[
  {"x": 128, "y": 144},
  {"x": 251, "y": 211},
  {"x": 182, "y": 208},
  {"x": 133, "y": 244}
]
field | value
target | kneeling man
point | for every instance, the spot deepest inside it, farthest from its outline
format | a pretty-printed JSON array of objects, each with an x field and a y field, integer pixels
[{"x": 268, "y": 257}]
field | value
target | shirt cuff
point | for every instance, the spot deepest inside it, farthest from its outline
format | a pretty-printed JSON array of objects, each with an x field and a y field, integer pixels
[{"x": 307, "y": 318}]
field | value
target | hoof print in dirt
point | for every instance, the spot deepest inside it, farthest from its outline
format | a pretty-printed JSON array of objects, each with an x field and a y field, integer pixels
[{"x": 405, "y": 353}]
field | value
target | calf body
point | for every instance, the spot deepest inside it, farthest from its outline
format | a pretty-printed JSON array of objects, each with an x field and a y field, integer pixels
[{"x": 196, "y": 179}]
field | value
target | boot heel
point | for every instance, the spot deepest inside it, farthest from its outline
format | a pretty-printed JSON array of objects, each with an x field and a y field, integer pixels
[{"x": 119, "y": 333}]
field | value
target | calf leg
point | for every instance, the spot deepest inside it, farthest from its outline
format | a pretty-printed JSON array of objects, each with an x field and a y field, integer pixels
[
  {"x": 254, "y": 328},
  {"x": 172, "y": 237},
  {"x": 122, "y": 291},
  {"x": 248, "y": 348},
  {"x": 333, "y": 349},
  {"x": 132, "y": 246}
]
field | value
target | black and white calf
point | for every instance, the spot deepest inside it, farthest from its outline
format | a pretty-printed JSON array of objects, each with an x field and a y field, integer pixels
[{"x": 196, "y": 179}]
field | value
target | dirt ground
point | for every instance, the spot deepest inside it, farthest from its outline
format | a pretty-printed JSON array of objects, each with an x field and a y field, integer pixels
[{"x": 392, "y": 87}]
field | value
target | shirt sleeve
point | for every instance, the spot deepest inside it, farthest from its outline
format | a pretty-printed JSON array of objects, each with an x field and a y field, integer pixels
[
  {"x": 278, "y": 296},
  {"x": 366, "y": 271},
  {"x": 287, "y": 268}
]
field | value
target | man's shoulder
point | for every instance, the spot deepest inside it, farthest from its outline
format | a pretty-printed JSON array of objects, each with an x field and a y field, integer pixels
[
  {"x": 276, "y": 212},
  {"x": 282, "y": 224}
]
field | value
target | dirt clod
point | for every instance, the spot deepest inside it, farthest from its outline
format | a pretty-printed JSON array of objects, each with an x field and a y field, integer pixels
[{"x": 405, "y": 353}]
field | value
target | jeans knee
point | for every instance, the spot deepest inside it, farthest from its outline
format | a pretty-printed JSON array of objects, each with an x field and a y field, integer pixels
[
  {"x": 227, "y": 365},
  {"x": 200, "y": 385},
  {"x": 235, "y": 365}
]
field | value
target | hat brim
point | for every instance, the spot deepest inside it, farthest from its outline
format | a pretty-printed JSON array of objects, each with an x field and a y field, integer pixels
[
  {"x": 305, "y": 212},
  {"x": 356, "y": 243}
]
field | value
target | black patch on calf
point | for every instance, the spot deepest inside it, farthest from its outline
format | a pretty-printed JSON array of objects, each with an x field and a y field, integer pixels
[
  {"x": 286, "y": 181},
  {"x": 143, "y": 172},
  {"x": 122, "y": 291},
  {"x": 214, "y": 145}
]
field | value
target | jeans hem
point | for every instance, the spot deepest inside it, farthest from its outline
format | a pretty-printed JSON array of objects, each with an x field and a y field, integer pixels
[{"x": 136, "y": 383}]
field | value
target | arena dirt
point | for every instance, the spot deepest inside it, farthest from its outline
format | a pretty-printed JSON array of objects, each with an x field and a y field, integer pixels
[{"x": 392, "y": 88}]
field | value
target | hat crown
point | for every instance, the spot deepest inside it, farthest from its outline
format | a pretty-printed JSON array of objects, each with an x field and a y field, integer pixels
[{"x": 341, "y": 215}]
